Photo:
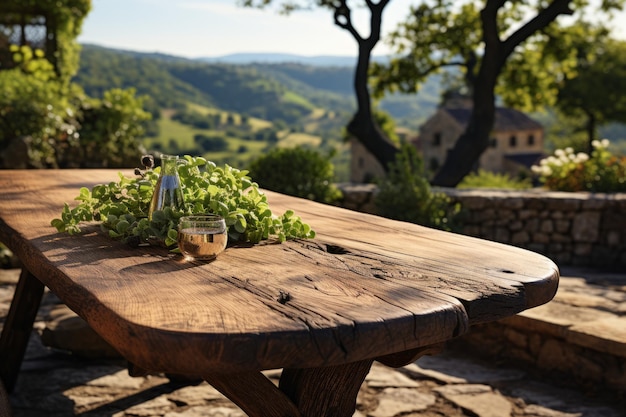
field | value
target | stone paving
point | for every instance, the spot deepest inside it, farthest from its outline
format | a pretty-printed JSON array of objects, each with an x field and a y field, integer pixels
[{"x": 54, "y": 383}]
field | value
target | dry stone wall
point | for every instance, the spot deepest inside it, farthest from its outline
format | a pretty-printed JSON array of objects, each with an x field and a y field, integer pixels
[{"x": 582, "y": 229}]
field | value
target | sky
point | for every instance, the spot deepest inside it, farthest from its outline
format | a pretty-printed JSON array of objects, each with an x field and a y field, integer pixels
[
  {"x": 212, "y": 28},
  {"x": 208, "y": 28}
]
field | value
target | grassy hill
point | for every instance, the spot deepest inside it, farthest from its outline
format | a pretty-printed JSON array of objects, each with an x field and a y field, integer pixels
[
  {"x": 287, "y": 104},
  {"x": 259, "y": 105},
  {"x": 286, "y": 92}
]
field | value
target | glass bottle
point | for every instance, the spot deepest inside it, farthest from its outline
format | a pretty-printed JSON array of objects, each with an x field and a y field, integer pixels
[{"x": 168, "y": 191}]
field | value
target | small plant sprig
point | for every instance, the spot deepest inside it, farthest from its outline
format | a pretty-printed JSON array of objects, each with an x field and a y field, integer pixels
[{"x": 122, "y": 206}]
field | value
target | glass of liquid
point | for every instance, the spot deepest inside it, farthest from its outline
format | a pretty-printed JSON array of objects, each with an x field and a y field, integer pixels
[{"x": 202, "y": 237}]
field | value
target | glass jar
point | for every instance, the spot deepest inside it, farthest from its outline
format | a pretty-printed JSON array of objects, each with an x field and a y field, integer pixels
[{"x": 168, "y": 191}]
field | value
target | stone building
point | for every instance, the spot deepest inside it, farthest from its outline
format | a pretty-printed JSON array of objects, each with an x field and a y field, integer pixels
[
  {"x": 516, "y": 141},
  {"x": 364, "y": 167}
]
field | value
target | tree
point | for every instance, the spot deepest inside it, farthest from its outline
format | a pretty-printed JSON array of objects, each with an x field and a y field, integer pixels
[
  {"x": 443, "y": 33},
  {"x": 362, "y": 125},
  {"x": 45, "y": 118},
  {"x": 63, "y": 22},
  {"x": 596, "y": 93}
]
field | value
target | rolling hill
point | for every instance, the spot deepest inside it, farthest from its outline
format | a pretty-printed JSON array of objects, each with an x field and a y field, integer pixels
[{"x": 276, "y": 91}]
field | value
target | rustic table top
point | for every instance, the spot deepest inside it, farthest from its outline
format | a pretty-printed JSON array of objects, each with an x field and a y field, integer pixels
[{"x": 364, "y": 288}]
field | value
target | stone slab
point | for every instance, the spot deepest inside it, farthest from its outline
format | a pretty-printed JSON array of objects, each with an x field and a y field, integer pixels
[{"x": 607, "y": 335}]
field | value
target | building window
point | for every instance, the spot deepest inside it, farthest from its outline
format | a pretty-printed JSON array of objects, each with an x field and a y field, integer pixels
[
  {"x": 513, "y": 141},
  {"x": 531, "y": 140},
  {"x": 437, "y": 139},
  {"x": 361, "y": 162},
  {"x": 493, "y": 142}
]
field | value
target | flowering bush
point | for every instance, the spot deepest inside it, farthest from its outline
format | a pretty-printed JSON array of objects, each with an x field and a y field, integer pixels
[{"x": 569, "y": 171}]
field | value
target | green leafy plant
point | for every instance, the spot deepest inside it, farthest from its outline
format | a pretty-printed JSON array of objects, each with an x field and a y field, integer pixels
[
  {"x": 122, "y": 206},
  {"x": 405, "y": 194},
  {"x": 570, "y": 171},
  {"x": 297, "y": 171},
  {"x": 34, "y": 104}
]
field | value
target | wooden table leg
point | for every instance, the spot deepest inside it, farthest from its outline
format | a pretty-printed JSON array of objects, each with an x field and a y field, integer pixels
[
  {"x": 316, "y": 392},
  {"x": 325, "y": 392},
  {"x": 18, "y": 326},
  {"x": 256, "y": 395}
]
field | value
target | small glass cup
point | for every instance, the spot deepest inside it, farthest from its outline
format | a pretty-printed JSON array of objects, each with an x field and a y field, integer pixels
[{"x": 202, "y": 237}]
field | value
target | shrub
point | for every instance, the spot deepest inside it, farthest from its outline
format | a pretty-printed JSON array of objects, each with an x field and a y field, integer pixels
[
  {"x": 111, "y": 128},
  {"x": 569, "y": 171},
  {"x": 486, "y": 179},
  {"x": 211, "y": 143},
  {"x": 63, "y": 126},
  {"x": 405, "y": 194},
  {"x": 34, "y": 104},
  {"x": 298, "y": 172}
]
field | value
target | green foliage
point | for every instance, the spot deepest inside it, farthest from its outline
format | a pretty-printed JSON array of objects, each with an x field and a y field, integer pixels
[
  {"x": 432, "y": 38},
  {"x": 486, "y": 179},
  {"x": 569, "y": 171},
  {"x": 595, "y": 93},
  {"x": 110, "y": 129},
  {"x": 386, "y": 123},
  {"x": 122, "y": 207},
  {"x": 210, "y": 143},
  {"x": 64, "y": 127},
  {"x": 66, "y": 18},
  {"x": 297, "y": 171},
  {"x": 197, "y": 119},
  {"x": 445, "y": 34},
  {"x": 237, "y": 87},
  {"x": 405, "y": 194},
  {"x": 562, "y": 132},
  {"x": 102, "y": 69},
  {"x": 34, "y": 104}
]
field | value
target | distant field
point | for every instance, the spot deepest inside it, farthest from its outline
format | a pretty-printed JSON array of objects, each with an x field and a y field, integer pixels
[
  {"x": 177, "y": 138},
  {"x": 299, "y": 139},
  {"x": 256, "y": 124}
]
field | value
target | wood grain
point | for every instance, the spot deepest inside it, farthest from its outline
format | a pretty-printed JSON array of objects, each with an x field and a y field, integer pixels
[{"x": 365, "y": 287}]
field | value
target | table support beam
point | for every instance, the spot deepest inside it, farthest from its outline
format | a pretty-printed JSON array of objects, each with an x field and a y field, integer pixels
[
  {"x": 313, "y": 392},
  {"x": 325, "y": 392},
  {"x": 256, "y": 395},
  {"x": 19, "y": 326}
]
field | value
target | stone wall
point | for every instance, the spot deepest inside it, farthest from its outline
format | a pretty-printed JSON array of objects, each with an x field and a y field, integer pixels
[
  {"x": 548, "y": 353},
  {"x": 582, "y": 229}
]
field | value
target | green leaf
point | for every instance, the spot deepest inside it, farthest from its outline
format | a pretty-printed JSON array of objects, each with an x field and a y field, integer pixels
[
  {"x": 58, "y": 224},
  {"x": 240, "y": 224}
]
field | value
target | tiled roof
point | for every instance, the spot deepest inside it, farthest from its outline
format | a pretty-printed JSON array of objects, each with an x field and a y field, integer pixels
[{"x": 506, "y": 119}]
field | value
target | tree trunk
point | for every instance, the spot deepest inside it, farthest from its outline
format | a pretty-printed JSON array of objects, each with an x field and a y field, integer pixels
[
  {"x": 362, "y": 125},
  {"x": 591, "y": 131},
  {"x": 463, "y": 157}
]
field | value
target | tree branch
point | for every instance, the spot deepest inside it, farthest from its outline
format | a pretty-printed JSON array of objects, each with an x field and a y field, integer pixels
[
  {"x": 540, "y": 21},
  {"x": 343, "y": 11}
]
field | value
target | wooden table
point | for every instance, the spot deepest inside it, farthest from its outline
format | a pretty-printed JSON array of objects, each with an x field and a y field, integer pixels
[{"x": 366, "y": 288}]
